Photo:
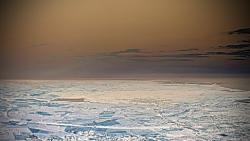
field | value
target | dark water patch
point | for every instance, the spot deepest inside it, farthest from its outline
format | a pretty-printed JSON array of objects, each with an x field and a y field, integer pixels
[
  {"x": 223, "y": 135},
  {"x": 48, "y": 104},
  {"x": 190, "y": 128},
  {"x": 148, "y": 134},
  {"x": 79, "y": 121},
  {"x": 54, "y": 138},
  {"x": 244, "y": 100},
  {"x": 21, "y": 136},
  {"x": 177, "y": 83},
  {"x": 25, "y": 136},
  {"x": 118, "y": 132},
  {"x": 63, "y": 113},
  {"x": 106, "y": 114},
  {"x": 43, "y": 113},
  {"x": 53, "y": 95},
  {"x": 18, "y": 104},
  {"x": 172, "y": 129},
  {"x": 33, "y": 138},
  {"x": 35, "y": 94},
  {"x": 107, "y": 122},
  {"x": 233, "y": 90},
  {"x": 3, "y": 108},
  {"x": 242, "y": 123},
  {"x": 100, "y": 129},
  {"x": 179, "y": 113},
  {"x": 162, "y": 139},
  {"x": 34, "y": 130},
  {"x": 152, "y": 135},
  {"x": 75, "y": 130},
  {"x": 70, "y": 99},
  {"x": 13, "y": 124},
  {"x": 38, "y": 93}
]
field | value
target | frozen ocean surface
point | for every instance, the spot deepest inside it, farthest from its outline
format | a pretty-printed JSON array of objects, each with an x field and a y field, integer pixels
[{"x": 43, "y": 110}]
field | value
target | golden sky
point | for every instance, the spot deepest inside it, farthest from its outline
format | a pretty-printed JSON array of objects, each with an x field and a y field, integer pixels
[{"x": 96, "y": 37}]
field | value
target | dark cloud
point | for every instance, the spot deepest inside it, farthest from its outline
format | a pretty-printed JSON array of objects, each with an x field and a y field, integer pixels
[
  {"x": 131, "y": 50},
  {"x": 142, "y": 55},
  {"x": 179, "y": 55},
  {"x": 41, "y": 45},
  {"x": 127, "y": 51},
  {"x": 191, "y": 49},
  {"x": 239, "y": 59},
  {"x": 240, "y": 31},
  {"x": 192, "y": 59},
  {"x": 211, "y": 53},
  {"x": 243, "y": 54},
  {"x": 238, "y": 51},
  {"x": 176, "y": 59},
  {"x": 161, "y": 60},
  {"x": 190, "y": 55},
  {"x": 237, "y": 46},
  {"x": 245, "y": 41}
]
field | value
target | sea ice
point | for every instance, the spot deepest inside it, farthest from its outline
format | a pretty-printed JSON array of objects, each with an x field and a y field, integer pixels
[{"x": 122, "y": 110}]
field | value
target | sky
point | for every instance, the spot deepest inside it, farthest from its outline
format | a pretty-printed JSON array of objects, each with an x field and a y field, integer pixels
[{"x": 96, "y": 38}]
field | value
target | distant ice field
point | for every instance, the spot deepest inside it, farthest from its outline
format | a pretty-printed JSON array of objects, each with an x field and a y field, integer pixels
[{"x": 137, "y": 110}]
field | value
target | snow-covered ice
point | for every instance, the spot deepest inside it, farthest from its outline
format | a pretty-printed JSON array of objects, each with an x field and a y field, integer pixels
[{"x": 121, "y": 110}]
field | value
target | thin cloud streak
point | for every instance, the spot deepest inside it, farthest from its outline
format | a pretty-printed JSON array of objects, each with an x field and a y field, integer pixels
[{"x": 240, "y": 31}]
